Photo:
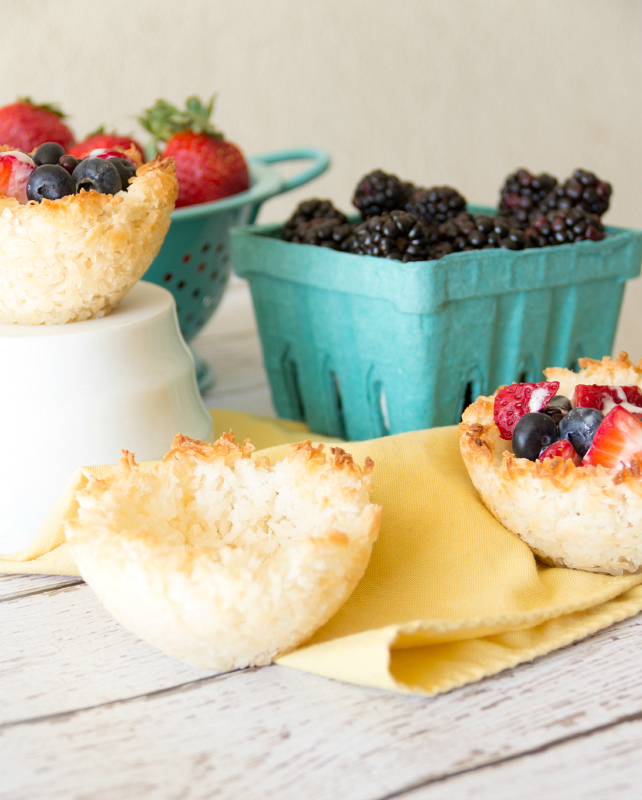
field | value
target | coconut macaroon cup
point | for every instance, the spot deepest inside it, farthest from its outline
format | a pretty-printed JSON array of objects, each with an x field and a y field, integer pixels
[
  {"x": 584, "y": 517},
  {"x": 75, "y": 258},
  {"x": 222, "y": 561}
]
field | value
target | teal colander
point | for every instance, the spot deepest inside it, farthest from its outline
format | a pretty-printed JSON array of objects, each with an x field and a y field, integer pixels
[{"x": 194, "y": 261}]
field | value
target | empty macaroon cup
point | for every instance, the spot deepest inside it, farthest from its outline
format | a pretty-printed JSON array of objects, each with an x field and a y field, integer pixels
[{"x": 80, "y": 393}]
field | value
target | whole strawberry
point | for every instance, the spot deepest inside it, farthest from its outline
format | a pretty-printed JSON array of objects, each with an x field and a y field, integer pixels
[
  {"x": 101, "y": 140},
  {"x": 25, "y": 125},
  {"x": 207, "y": 166}
]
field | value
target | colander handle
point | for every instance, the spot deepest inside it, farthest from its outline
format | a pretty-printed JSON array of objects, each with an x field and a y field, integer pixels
[{"x": 320, "y": 162}]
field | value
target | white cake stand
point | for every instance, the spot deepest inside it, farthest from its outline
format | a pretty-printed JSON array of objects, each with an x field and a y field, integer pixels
[{"x": 75, "y": 395}]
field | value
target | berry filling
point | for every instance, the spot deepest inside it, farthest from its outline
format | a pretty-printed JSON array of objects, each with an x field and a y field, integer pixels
[
  {"x": 49, "y": 182},
  {"x": 98, "y": 174},
  {"x": 513, "y": 402},
  {"x": 15, "y": 169},
  {"x": 604, "y": 398},
  {"x": 51, "y": 174},
  {"x": 601, "y": 427},
  {"x": 579, "y": 427},
  {"x": 617, "y": 441},
  {"x": 103, "y": 152},
  {"x": 534, "y": 433},
  {"x": 562, "y": 449}
]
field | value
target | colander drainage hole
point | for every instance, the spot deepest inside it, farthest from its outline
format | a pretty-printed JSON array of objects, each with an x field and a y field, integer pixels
[
  {"x": 180, "y": 284},
  {"x": 186, "y": 258},
  {"x": 189, "y": 317},
  {"x": 167, "y": 277},
  {"x": 196, "y": 292},
  {"x": 214, "y": 275},
  {"x": 201, "y": 266},
  {"x": 206, "y": 247},
  {"x": 219, "y": 247}
]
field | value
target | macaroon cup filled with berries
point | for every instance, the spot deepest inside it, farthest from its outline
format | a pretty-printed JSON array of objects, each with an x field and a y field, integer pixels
[
  {"x": 559, "y": 463},
  {"x": 76, "y": 235}
]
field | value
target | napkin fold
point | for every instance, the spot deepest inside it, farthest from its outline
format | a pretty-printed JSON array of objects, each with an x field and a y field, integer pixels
[{"x": 449, "y": 597}]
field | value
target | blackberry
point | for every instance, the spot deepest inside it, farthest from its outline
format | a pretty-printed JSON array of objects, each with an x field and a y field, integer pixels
[
  {"x": 582, "y": 190},
  {"x": 379, "y": 192},
  {"x": 477, "y": 232},
  {"x": 397, "y": 234},
  {"x": 564, "y": 226},
  {"x": 331, "y": 233},
  {"x": 310, "y": 210},
  {"x": 523, "y": 193},
  {"x": 436, "y": 205}
]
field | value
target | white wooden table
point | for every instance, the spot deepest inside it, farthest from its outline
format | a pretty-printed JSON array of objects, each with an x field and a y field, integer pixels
[{"x": 89, "y": 711}]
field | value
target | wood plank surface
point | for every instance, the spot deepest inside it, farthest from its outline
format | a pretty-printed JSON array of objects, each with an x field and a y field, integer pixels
[
  {"x": 61, "y": 650},
  {"x": 13, "y": 586},
  {"x": 87, "y": 710},
  {"x": 602, "y": 765},
  {"x": 289, "y": 733}
]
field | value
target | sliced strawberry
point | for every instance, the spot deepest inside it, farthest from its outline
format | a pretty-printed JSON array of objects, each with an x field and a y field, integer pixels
[
  {"x": 105, "y": 141},
  {"x": 15, "y": 168},
  {"x": 617, "y": 440},
  {"x": 562, "y": 449},
  {"x": 104, "y": 152},
  {"x": 592, "y": 396},
  {"x": 512, "y": 402}
]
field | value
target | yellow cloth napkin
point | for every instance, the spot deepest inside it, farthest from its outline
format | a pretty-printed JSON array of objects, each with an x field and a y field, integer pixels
[{"x": 449, "y": 597}]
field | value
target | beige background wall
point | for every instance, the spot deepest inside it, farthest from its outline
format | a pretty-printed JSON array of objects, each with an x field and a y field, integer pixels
[{"x": 458, "y": 91}]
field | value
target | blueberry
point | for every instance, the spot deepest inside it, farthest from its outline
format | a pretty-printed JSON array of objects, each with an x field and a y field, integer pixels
[
  {"x": 49, "y": 182},
  {"x": 68, "y": 162},
  {"x": 48, "y": 153},
  {"x": 579, "y": 427},
  {"x": 533, "y": 433},
  {"x": 559, "y": 401},
  {"x": 126, "y": 170},
  {"x": 558, "y": 407},
  {"x": 98, "y": 174}
]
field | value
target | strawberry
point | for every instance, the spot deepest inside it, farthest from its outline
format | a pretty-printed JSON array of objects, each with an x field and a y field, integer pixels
[
  {"x": 207, "y": 166},
  {"x": 105, "y": 154},
  {"x": 25, "y": 125},
  {"x": 100, "y": 140},
  {"x": 617, "y": 441},
  {"x": 512, "y": 402},
  {"x": 592, "y": 396},
  {"x": 15, "y": 168},
  {"x": 562, "y": 449}
]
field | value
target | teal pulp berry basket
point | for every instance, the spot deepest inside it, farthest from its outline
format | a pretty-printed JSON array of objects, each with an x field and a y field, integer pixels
[
  {"x": 361, "y": 347},
  {"x": 194, "y": 261}
]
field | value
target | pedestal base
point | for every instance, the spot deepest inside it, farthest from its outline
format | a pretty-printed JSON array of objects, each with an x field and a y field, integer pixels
[{"x": 75, "y": 395}]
